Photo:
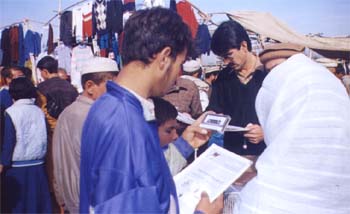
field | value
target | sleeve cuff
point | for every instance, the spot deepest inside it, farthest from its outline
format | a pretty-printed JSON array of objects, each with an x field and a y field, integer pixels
[{"x": 184, "y": 147}]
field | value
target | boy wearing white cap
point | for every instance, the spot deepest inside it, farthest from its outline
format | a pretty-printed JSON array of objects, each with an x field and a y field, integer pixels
[{"x": 67, "y": 134}]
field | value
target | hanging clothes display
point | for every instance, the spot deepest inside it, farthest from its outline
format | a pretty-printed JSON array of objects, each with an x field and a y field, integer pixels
[
  {"x": 6, "y": 47},
  {"x": 99, "y": 16},
  {"x": 77, "y": 20},
  {"x": 153, "y": 3},
  {"x": 173, "y": 5},
  {"x": 14, "y": 44},
  {"x": 115, "y": 16},
  {"x": 66, "y": 28},
  {"x": 50, "y": 47},
  {"x": 87, "y": 20},
  {"x": 63, "y": 55},
  {"x": 32, "y": 44},
  {"x": 81, "y": 54},
  {"x": 184, "y": 9},
  {"x": 129, "y": 5},
  {"x": 203, "y": 39},
  {"x": 21, "y": 59}
]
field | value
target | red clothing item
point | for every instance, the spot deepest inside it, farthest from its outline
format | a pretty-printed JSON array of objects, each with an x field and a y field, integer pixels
[
  {"x": 14, "y": 44},
  {"x": 103, "y": 52},
  {"x": 87, "y": 25},
  {"x": 129, "y": 1},
  {"x": 184, "y": 9}
]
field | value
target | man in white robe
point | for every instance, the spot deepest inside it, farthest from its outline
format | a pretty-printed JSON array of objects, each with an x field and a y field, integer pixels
[{"x": 304, "y": 111}]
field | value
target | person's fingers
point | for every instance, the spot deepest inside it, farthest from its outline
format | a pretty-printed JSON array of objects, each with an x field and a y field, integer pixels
[
  {"x": 204, "y": 194},
  {"x": 218, "y": 204},
  {"x": 198, "y": 130},
  {"x": 249, "y": 125},
  {"x": 249, "y": 135}
]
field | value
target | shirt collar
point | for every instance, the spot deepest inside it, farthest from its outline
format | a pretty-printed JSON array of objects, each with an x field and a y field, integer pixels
[
  {"x": 25, "y": 101},
  {"x": 147, "y": 106}
]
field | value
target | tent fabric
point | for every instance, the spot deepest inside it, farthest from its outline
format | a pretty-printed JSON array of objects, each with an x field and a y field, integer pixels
[{"x": 268, "y": 26}]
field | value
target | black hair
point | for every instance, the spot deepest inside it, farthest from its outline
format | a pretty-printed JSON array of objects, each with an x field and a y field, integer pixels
[
  {"x": 6, "y": 73},
  {"x": 27, "y": 72},
  {"x": 22, "y": 88},
  {"x": 214, "y": 73},
  {"x": 49, "y": 63},
  {"x": 164, "y": 110},
  {"x": 340, "y": 69},
  {"x": 97, "y": 78},
  {"x": 228, "y": 35},
  {"x": 147, "y": 32}
]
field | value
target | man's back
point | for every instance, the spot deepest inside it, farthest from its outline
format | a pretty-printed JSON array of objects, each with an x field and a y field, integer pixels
[
  {"x": 185, "y": 97},
  {"x": 304, "y": 112},
  {"x": 55, "y": 95},
  {"x": 66, "y": 151}
]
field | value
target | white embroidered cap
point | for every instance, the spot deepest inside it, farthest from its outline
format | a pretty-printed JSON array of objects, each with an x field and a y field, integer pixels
[
  {"x": 191, "y": 66},
  {"x": 100, "y": 64}
]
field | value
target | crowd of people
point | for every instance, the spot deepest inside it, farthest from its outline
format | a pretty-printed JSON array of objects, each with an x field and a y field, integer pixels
[{"x": 115, "y": 147}]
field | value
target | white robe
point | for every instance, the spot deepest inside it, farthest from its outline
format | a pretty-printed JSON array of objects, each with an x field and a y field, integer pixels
[{"x": 305, "y": 114}]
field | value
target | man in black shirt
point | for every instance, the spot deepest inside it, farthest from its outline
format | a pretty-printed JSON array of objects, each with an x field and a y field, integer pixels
[{"x": 235, "y": 90}]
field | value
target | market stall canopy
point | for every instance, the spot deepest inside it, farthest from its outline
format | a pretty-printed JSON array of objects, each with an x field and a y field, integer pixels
[{"x": 268, "y": 26}]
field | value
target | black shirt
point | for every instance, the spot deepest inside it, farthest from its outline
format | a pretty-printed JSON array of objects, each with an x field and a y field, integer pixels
[{"x": 231, "y": 97}]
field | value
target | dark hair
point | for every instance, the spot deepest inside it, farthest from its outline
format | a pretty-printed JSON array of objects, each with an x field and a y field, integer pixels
[
  {"x": 97, "y": 78},
  {"x": 164, "y": 110},
  {"x": 48, "y": 63},
  {"x": 6, "y": 73},
  {"x": 340, "y": 69},
  {"x": 228, "y": 35},
  {"x": 27, "y": 72},
  {"x": 214, "y": 73},
  {"x": 22, "y": 88},
  {"x": 147, "y": 32}
]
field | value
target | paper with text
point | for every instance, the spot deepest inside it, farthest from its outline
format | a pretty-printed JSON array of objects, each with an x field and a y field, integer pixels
[{"x": 214, "y": 171}]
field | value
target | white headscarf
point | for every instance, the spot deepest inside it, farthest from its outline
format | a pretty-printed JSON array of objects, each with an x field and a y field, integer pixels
[{"x": 305, "y": 114}]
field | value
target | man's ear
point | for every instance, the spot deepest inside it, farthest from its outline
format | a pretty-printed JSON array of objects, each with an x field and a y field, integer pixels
[
  {"x": 244, "y": 45},
  {"x": 89, "y": 87},
  {"x": 45, "y": 73},
  {"x": 164, "y": 57}
]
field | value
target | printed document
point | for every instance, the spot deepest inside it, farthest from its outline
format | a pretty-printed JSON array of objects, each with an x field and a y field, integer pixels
[{"x": 213, "y": 172}]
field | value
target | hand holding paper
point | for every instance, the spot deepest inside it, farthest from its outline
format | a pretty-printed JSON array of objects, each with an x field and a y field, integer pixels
[
  {"x": 254, "y": 134},
  {"x": 195, "y": 135},
  {"x": 205, "y": 206}
]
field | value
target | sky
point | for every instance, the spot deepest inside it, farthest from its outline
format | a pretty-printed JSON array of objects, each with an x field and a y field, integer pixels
[{"x": 329, "y": 17}]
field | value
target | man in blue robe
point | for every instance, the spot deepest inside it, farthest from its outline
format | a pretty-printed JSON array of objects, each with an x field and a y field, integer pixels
[{"x": 123, "y": 169}]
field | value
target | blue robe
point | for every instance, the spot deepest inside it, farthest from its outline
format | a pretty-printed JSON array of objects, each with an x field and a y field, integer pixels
[{"x": 123, "y": 169}]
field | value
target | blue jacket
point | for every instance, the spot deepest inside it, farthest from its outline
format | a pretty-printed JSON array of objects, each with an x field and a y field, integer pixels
[{"x": 123, "y": 169}]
